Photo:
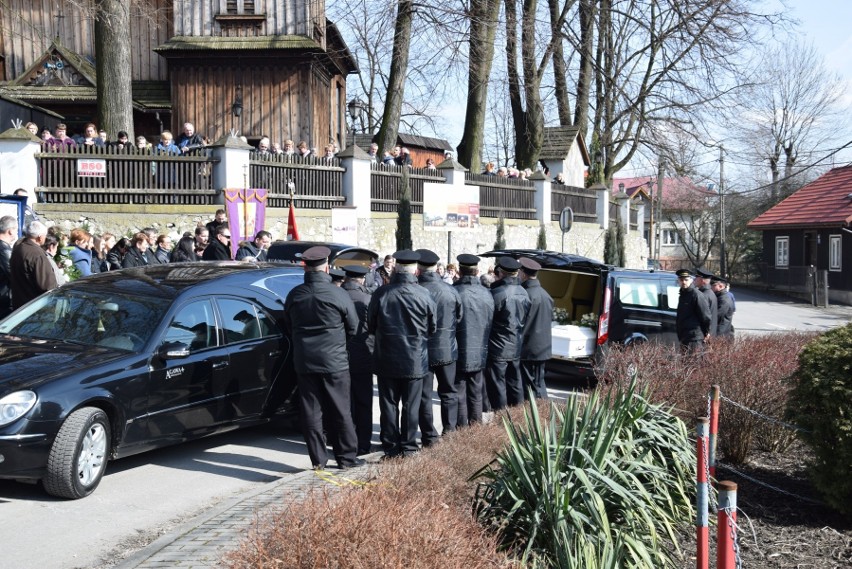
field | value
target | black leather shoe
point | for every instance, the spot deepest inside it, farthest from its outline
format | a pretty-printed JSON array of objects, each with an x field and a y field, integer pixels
[
  {"x": 353, "y": 464},
  {"x": 318, "y": 467}
]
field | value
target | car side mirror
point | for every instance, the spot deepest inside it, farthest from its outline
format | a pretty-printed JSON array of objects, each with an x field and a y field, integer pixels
[{"x": 173, "y": 350}]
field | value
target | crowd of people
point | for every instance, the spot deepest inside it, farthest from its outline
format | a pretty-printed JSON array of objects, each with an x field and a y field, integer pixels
[
  {"x": 705, "y": 309},
  {"x": 485, "y": 348}
]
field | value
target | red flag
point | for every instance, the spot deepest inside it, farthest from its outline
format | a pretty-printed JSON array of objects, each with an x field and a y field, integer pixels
[{"x": 292, "y": 232}]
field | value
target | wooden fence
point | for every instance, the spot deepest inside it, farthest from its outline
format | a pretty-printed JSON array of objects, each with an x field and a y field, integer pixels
[
  {"x": 384, "y": 186},
  {"x": 513, "y": 197},
  {"x": 583, "y": 203},
  {"x": 317, "y": 183}
]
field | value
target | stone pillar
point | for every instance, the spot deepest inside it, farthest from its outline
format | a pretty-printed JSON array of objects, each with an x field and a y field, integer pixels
[
  {"x": 623, "y": 201},
  {"x": 542, "y": 196},
  {"x": 602, "y": 194},
  {"x": 357, "y": 180},
  {"x": 18, "y": 164},
  {"x": 232, "y": 170}
]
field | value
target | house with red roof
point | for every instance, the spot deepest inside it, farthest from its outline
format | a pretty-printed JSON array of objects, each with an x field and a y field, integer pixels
[
  {"x": 811, "y": 229},
  {"x": 682, "y": 231}
]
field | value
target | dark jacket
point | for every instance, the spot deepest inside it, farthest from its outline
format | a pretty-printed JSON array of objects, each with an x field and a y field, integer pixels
[
  {"x": 251, "y": 250},
  {"x": 511, "y": 307},
  {"x": 360, "y": 345},
  {"x": 216, "y": 251},
  {"x": 401, "y": 316},
  {"x": 693, "y": 315},
  {"x": 31, "y": 273},
  {"x": 134, "y": 258},
  {"x": 537, "y": 332},
  {"x": 475, "y": 327},
  {"x": 714, "y": 308},
  {"x": 161, "y": 255},
  {"x": 724, "y": 326},
  {"x": 114, "y": 259},
  {"x": 443, "y": 348},
  {"x": 319, "y": 316},
  {"x": 5, "y": 279}
]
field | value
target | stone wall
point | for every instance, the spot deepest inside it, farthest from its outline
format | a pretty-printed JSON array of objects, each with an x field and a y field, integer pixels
[{"x": 376, "y": 233}]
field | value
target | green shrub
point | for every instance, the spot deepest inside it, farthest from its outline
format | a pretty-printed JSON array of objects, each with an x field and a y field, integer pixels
[
  {"x": 821, "y": 402},
  {"x": 606, "y": 483}
]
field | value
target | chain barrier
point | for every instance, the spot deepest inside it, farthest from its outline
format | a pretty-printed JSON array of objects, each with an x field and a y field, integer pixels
[
  {"x": 769, "y": 486},
  {"x": 764, "y": 417},
  {"x": 711, "y": 495},
  {"x": 732, "y": 527},
  {"x": 708, "y": 406}
]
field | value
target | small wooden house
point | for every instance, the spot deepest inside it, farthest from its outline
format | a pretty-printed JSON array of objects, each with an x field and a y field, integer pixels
[{"x": 564, "y": 152}]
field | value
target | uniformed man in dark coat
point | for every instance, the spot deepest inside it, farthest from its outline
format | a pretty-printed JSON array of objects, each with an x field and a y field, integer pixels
[
  {"x": 401, "y": 316},
  {"x": 360, "y": 348},
  {"x": 511, "y": 306},
  {"x": 537, "y": 344},
  {"x": 472, "y": 336},
  {"x": 702, "y": 283},
  {"x": 725, "y": 308},
  {"x": 443, "y": 350},
  {"x": 319, "y": 316},
  {"x": 693, "y": 314},
  {"x": 337, "y": 276}
]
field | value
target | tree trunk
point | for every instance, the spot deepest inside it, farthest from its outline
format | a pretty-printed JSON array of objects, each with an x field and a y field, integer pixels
[
  {"x": 560, "y": 73},
  {"x": 112, "y": 55},
  {"x": 483, "y": 29},
  {"x": 389, "y": 130},
  {"x": 586, "y": 72}
]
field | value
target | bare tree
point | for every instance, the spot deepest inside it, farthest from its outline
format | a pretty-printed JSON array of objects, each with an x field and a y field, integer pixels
[{"x": 112, "y": 56}]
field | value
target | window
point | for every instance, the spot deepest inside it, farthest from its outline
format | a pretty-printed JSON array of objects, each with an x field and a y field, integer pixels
[
  {"x": 834, "y": 252},
  {"x": 194, "y": 325},
  {"x": 639, "y": 293},
  {"x": 671, "y": 237},
  {"x": 782, "y": 252},
  {"x": 241, "y": 7},
  {"x": 243, "y": 321},
  {"x": 672, "y": 296}
]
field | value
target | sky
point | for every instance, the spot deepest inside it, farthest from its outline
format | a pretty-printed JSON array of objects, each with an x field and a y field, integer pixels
[{"x": 826, "y": 23}]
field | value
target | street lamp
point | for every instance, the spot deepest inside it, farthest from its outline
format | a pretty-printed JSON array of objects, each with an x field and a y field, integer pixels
[
  {"x": 356, "y": 112},
  {"x": 237, "y": 105}
]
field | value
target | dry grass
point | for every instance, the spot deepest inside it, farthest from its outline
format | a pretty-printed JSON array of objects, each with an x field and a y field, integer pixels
[{"x": 415, "y": 513}]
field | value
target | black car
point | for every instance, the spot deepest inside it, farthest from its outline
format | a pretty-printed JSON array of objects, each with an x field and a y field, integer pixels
[
  {"x": 127, "y": 361},
  {"x": 604, "y": 303},
  {"x": 341, "y": 254}
]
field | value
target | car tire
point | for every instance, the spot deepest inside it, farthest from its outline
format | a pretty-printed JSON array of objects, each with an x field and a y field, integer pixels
[{"x": 79, "y": 454}]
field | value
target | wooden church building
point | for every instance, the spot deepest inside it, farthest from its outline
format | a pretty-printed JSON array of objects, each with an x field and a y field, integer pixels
[{"x": 264, "y": 67}]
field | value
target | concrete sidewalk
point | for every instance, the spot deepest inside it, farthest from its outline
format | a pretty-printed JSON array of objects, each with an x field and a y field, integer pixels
[{"x": 201, "y": 543}]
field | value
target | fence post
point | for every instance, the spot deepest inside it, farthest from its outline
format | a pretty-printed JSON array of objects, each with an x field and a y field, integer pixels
[
  {"x": 727, "y": 551},
  {"x": 542, "y": 196},
  {"x": 602, "y": 205},
  {"x": 702, "y": 496},
  {"x": 18, "y": 164},
  {"x": 232, "y": 170},
  {"x": 714, "y": 426},
  {"x": 623, "y": 201},
  {"x": 357, "y": 180}
]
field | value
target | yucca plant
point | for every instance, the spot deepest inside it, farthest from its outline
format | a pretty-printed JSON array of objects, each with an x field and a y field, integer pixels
[{"x": 604, "y": 483}]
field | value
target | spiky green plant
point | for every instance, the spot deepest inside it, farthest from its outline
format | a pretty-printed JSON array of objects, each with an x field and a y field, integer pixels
[
  {"x": 604, "y": 483},
  {"x": 542, "y": 238}
]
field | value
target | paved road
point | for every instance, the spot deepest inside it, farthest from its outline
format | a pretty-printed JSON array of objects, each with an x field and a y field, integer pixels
[{"x": 759, "y": 312}]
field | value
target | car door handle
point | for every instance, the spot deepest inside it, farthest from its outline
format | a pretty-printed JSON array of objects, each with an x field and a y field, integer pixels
[
  {"x": 275, "y": 354},
  {"x": 220, "y": 365}
]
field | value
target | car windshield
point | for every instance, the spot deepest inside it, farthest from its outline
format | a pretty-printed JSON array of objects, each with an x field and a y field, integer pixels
[{"x": 88, "y": 318}]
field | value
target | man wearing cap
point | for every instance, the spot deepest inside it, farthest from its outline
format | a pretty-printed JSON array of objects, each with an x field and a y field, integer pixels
[
  {"x": 319, "y": 316},
  {"x": 693, "y": 314},
  {"x": 360, "y": 348},
  {"x": 401, "y": 316},
  {"x": 443, "y": 350},
  {"x": 472, "y": 336},
  {"x": 702, "y": 283},
  {"x": 337, "y": 276},
  {"x": 511, "y": 306},
  {"x": 725, "y": 308},
  {"x": 537, "y": 340}
]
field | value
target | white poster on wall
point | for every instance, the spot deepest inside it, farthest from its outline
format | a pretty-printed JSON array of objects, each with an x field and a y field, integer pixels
[
  {"x": 344, "y": 225},
  {"x": 446, "y": 209}
]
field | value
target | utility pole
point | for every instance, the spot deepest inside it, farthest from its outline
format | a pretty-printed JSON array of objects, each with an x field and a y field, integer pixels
[
  {"x": 723, "y": 264},
  {"x": 661, "y": 172}
]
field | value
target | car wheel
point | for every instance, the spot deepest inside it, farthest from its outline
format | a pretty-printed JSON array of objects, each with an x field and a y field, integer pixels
[{"x": 79, "y": 454}]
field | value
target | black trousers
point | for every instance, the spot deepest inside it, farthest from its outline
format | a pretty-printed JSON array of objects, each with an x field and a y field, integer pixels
[
  {"x": 469, "y": 392},
  {"x": 327, "y": 393},
  {"x": 362, "y": 406},
  {"x": 503, "y": 383},
  {"x": 532, "y": 374},
  {"x": 428, "y": 433},
  {"x": 398, "y": 431},
  {"x": 446, "y": 376}
]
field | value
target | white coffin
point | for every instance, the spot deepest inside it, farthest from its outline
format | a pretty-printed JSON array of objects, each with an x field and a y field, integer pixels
[{"x": 571, "y": 342}]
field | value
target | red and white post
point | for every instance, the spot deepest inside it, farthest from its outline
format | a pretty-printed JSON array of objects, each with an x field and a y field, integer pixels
[
  {"x": 715, "y": 397},
  {"x": 702, "y": 493},
  {"x": 726, "y": 538}
]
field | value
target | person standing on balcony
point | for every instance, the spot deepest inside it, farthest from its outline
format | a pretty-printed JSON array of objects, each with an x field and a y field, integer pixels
[
  {"x": 61, "y": 140},
  {"x": 189, "y": 140},
  {"x": 90, "y": 137}
]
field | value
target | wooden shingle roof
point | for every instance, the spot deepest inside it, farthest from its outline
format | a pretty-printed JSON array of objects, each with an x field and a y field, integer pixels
[
  {"x": 825, "y": 202},
  {"x": 558, "y": 141}
]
